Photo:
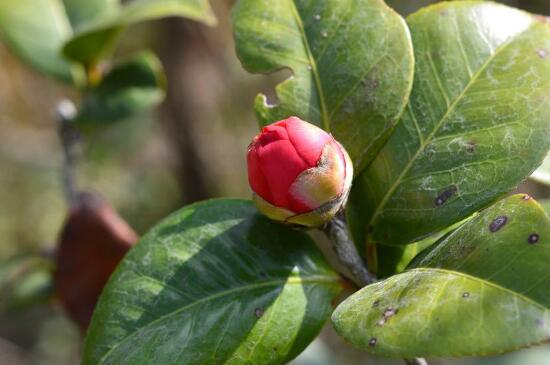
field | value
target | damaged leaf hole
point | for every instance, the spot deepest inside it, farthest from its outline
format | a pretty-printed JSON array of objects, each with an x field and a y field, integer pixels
[
  {"x": 372, "y": 342},
  {"x": 258, "y": 312},
  {"x": 533, "y": 238},
  {"x": 388, "y": 313},
  {"x": 498, "y": 223},
  {"x": 465, "y": 295},
  {"x": 445, "y": 196}
]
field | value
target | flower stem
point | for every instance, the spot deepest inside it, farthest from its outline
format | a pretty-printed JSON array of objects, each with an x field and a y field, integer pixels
[{"x": 336, "y": 231}]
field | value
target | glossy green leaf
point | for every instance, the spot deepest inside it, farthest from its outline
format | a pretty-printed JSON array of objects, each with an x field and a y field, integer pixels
[
  {"x": 95, "y": 41},
  {"x": 387, "y": 260},
  {"x": 215, "y": 283},
  {"x": 131, "y": 87},
  {"x": 391, "y": 260},
  {"x": 35, "y": 31},
  {"x": 482, "y": 289},
  {"x": 476, "y": 124},
  {"x": 351, "y": 61}
]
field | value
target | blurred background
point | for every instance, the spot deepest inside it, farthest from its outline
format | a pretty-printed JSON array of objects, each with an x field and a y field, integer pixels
[{"x": 189, "y": 149}]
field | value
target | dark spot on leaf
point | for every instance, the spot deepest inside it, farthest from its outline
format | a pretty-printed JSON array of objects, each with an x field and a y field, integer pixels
[
  {"x": 373, "y": 341},
  {"x": 471, "y": 146},
  {"x": 498, "y": 223},
  {"x": 258, "y": 312},
  {"x": 542, "y": 53},
  {"x": 533, "y": 238},
  {"x": 445, "y": 195},
  {"x": 465, "y": 295},
  {"x": 263, "y": 274},
  {"x": 375, "y": 83},
  {"x": 376, "y": 303},
  {"x": 370, "y": 229}
]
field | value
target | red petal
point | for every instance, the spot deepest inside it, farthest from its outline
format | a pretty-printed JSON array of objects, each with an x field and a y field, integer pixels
[
  {"x": 308, "y": 139},
  {"x": 256, "y": 178},
  {"x": 281, "y": 165},
  {"x": 272, "y": 133}
]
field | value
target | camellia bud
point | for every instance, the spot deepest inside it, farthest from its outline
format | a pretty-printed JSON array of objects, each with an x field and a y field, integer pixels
[{"x": 299, "y": 173}]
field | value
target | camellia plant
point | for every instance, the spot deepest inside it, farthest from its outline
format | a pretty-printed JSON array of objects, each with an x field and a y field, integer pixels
[{"x": 400, "y": 140}]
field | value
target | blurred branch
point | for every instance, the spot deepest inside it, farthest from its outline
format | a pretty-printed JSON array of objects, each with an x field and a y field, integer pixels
[
  {"x": 180, "y": 111},
  {"x": 69, "y": 137}
]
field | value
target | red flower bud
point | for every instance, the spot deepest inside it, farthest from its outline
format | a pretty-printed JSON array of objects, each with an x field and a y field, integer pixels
[
  {"x": 299, "y": 173},
  {"x": 93, "y": 241}
]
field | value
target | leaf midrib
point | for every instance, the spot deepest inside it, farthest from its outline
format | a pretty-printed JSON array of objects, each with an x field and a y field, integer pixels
[
  {"x": 483, "y": 281},
  {"x": 325, "y": 122},
  {"x": 316, "y": 279},
  {"x": 440, "y": 123}
]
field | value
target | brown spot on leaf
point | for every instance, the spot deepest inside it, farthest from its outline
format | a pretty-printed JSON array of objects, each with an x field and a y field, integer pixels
[
  {"x": 533, "y": 238},
  {"x": 258, "y": 312},
  {"x": 498, "y": 223},
  {"x": 471, "y": 146},
  {"x": 445, "y": 195}
]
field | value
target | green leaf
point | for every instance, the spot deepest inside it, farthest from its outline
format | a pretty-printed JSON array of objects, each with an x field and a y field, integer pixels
[
  {"x": 351, "y": 61},
  {"x": 35, "y": 31},
  {"x": 387, "y": 260},
  {"x": 482, "y": 289},
  {"x": 97, "y": 40},
  {"x": 25, "y": 281},
  {"x": 476, "y": 124},
  {"x": 215, "y": 283},
  {"x": 131, "y": 87}
]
